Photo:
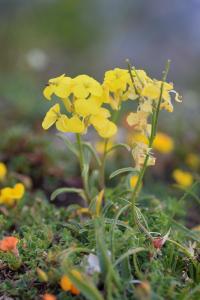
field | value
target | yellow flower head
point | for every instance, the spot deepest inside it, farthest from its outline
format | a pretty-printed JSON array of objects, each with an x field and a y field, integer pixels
[
  {"x": 3, "y": 171},
  {"x": 182, "y": 178},
  {"x": 116, "y": 80},
  {"x": 83, "y": 86},
  {"x": 60, "y": 86},
  {"x": 9, "y": 196},
  {"x": 193, "y": 161},
  {"x": 163, "y": 143}
]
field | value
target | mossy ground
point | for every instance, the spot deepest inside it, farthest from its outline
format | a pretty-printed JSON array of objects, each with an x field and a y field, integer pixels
[{"x": 46, "y": 232}]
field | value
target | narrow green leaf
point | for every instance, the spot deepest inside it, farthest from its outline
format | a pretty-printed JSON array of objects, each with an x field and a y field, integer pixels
[
  {"x": 92, "y": 151},
  {"x": 68, "y": 143},
  {"x": 123, "y": 170},
  {"x": 119, "y": 145},
  {"x": 66, "y": 190},
  {"x": 128, "y": 253}
]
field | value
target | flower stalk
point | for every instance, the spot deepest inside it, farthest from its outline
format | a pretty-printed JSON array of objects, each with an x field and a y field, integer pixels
[
  {"x": 102, "y": 166},
  {"x": 82, "y": 164},
  {"x": 155, "y": 116}
]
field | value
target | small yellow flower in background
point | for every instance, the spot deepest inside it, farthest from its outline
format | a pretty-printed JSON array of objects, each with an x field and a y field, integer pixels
[
  {"x": 193, "y": 160},
  {"x": 100, "y": 145},
  {"x": 3, "y": 171},
  {"x": 196, "y": 228},
  {"x": 182, "y": 178},
  {"x": 163, "y": 143},
  {"x": 9, "y": 196},
  {"x": 68, "y": 286},
  {"x": 133, "y": 181}
]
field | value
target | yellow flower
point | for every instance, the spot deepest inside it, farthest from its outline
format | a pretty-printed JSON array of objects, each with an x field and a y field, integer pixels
[
  {"x": 152, "y": 91},
  {"x": 60, "y": 86},
  {"x": 193, "y": 161},
  {"x": 182, "y": 178},
  {"x": 9, "y": 196},
  {"x": 116, "y": 80},
  {"x": 163, "y": 143},
  {"x": 3, "y": 171},
  {"x": 133, "y": 181},
  {"x": 63, "y": 123},
  {"x": 83, "y": 86},
  {"x": 103, "y": 126},
  {"x": 115, "y": 87}
]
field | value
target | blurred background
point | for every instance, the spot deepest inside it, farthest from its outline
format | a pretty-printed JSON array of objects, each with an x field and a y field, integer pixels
[{"x": 44, "y": 38}]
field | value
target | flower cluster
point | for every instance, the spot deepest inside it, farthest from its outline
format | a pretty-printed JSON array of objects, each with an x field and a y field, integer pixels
[
  {"x": 82, "y": 98},
  {"x": 151, "y": 94}
]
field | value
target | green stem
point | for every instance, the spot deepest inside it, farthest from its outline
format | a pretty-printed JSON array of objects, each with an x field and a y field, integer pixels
[
  {"x": 81, "y": 160},
  {"x": 102, "y": 167},
  {"x": 151, "y": 140}
]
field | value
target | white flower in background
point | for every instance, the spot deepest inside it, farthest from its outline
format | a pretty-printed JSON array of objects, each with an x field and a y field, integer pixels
[
  {"x": 93, "y": 264},
  {"x": 37, "y": 59}
]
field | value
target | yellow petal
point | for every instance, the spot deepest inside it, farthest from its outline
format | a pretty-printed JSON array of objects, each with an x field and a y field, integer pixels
[
  {"x": 63, "y": 88},
  {"x": 86, "y": 107},
  {"x": 47, "y": 92},
  {"x": 107, "y": 130},
  {"x": 74, "y": 124},
  {"x": 18, "y": 191},
  {"x": 51, "y": 117},
  {"x": 3, "y": 171},
  {"x": 62, "y": 123}
]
